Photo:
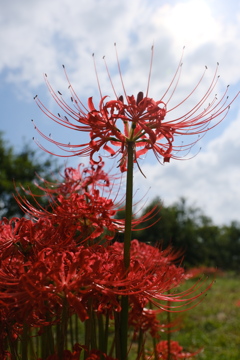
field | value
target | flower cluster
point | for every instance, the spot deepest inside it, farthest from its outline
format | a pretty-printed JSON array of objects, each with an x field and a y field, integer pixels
[
  {"x": 66, "y": 285},
  {"x": 176, "y": 351},
  {"x": 61, "y": 257},
  {"x": 141, "y": 121}
]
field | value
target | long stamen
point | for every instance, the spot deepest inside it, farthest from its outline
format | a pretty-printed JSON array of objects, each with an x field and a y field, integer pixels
[
  {"x": 120, "y": 73},
  {"x": 98, "y": 82},
  {"x": 150, "y": 70},
  {"x": 174, "y": 77},
  {"x": 109, "y": 76},
  {"x": 74, "y": 95}
]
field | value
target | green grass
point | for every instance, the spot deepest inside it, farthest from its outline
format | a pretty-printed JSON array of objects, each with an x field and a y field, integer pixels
[{"x": 214, "y": 324}]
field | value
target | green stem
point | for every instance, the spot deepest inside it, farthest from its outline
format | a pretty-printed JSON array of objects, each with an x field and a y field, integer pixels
[
  {"x": 140, "y": 345},
  {"x": 71, "y": 330},
  {"x": 168, "y": 333},
  {"x": 105, "y": 349},
  {"x": 76, "y": 328},
  {"x": 63, "y": 329},
  {"x": 117, "y": 336},
  {"x": 25, "y": 342},
  {"x": 154, "y": 342},
  {"x": 127, "y": 244},
  {"x": 128, "y": 209}
]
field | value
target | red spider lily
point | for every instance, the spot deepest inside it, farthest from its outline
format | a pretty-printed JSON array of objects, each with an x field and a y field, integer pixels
[
  {"x": 77, "y": 206},
  {"x": 82, "y": 179},
  {"x": 76, "y": 353},
  {"x": 33, "y": 291},
  {"x": 176, "y": 351},
  {"x": 67, "y": 354},
  {"x": 145, "y": 319},
  {"x": 24, "y": 238},
  {"x": 17, "y": 236},
  {"x": 206, "y": 270},
  {"x": 6, "y": 355},
  {"x": 141, "y": 121}
]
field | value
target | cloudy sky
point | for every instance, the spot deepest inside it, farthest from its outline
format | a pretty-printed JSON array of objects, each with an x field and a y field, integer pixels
[{"x": 37, "y": 37}]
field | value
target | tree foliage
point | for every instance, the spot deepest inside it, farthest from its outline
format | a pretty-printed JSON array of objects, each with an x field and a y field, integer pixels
[
  {"x": 188, "y": 229},
  {"x": 21, "y": 170}
]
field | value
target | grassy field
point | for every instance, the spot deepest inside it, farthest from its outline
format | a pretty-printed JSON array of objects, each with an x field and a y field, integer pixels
[{"x": 214, "y": 324}]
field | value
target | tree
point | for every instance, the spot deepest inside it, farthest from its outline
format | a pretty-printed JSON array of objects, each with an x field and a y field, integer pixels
[
  {"x": 178, "y": 226},
  {"x": 21, "y": 169},
  {"x": 188, "y": 229}
]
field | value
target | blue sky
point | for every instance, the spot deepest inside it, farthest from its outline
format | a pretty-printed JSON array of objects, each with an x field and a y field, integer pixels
[{"x": 37, "y": 37}]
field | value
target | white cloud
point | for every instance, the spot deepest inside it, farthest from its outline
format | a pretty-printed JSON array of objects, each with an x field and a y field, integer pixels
[
  {"x": 39, "y": 36},
  {"x": 208, "y": 35},
  {"x": 190, "y": 21},
  {"x": 209, "y": 181}
]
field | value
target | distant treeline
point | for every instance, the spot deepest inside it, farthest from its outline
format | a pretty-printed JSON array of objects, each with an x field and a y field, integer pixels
[
  {"x": 185, "y": 228},
  {"x": 188, "y": 229}
]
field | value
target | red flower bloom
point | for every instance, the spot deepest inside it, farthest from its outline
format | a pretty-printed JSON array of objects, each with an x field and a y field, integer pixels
[
  {"x": 142, "y": 121},
  {"x": 77, "y": 204},
  {"x": 67, "y": 354},
  {"x": 32, "y": 291},
  {"x": 78, "y": 208},
  {"x": 176, "y": 351}
]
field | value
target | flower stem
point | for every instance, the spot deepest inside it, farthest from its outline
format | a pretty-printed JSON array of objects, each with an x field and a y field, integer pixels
[
  {"x": 24, "y": 341},
  {"x": 63, "y": 329},
  {"x": 128, "y": 215},
  {"x": 168, "y": 333},
  {"x": 127, "y": 244}
]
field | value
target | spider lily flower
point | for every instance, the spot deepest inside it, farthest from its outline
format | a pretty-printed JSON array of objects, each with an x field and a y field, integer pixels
[
  {"x": 176, "y": 351},
  {"x": 142, "y": 121},
  {"x": 80, "y": 207},
  {"x": 33, "y": 289}
]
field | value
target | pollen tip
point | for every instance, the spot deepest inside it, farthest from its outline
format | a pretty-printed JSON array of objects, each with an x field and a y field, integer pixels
[
  {"x": 103, "y": 57},
  {"x": 115, "y": 44},
  {"x": 35, "y": 97},
  {"x": 92, "y": 54},
  {"x": 63, "y": 66},
  {"x": 206, "y": 67},
  {"x": 217, "y": 63},
  {"x": 45, "y": 75},
  {"x": 184, "y": 47}
]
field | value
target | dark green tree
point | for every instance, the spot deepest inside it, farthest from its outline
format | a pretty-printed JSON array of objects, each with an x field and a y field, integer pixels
[
  {"x": 178, "y": 225},
  {"x": 229, "y": 246},
  {"x": 21, "y": 169},
  {"x": 188, "y": 229}
]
